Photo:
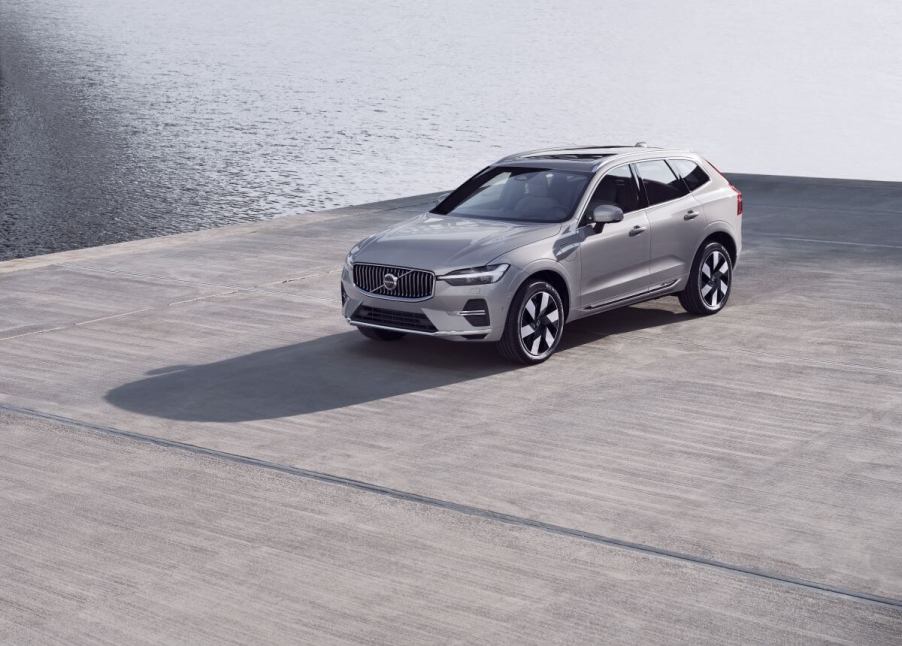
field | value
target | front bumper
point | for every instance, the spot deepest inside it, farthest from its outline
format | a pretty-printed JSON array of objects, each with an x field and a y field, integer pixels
[{"x": 449, "y": 313}]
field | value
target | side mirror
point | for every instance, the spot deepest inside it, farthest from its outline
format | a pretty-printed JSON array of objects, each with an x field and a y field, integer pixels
[
  {"x": 440, "y": 199},
  {"x": 604, "y": 213}
]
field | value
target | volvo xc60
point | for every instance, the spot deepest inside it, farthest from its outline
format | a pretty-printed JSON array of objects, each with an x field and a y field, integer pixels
[{"x": 542, "y": 238}]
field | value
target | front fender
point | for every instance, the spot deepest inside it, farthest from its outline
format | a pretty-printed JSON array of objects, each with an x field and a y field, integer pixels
[{"x": 568, "y": 272}]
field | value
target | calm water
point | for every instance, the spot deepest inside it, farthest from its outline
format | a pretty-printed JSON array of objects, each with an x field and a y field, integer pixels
[{"x": 129, "y": 119}]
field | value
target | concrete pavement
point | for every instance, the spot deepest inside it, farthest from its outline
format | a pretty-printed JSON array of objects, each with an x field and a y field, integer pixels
[{"x": 664, "y": 479}]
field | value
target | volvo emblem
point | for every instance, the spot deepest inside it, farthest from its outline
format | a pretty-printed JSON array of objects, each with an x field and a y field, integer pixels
[{"x": 390, "y": 282}]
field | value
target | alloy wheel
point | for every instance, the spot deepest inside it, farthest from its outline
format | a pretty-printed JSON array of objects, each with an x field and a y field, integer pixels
[
  {"x": 540, "y": 324},
  {"x": 714, "y": 280}
]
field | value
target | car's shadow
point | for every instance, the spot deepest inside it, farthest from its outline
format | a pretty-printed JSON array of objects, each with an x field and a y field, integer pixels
[{"x": 336, "y": 371}]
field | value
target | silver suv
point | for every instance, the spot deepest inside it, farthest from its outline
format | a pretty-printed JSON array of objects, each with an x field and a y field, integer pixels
[{"x": 545, "y": 237}]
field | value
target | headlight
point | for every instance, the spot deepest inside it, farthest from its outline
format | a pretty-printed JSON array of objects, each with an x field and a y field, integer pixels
[
  {"x": 349, "y": 259},
  {"x": 475, "y": 275}
]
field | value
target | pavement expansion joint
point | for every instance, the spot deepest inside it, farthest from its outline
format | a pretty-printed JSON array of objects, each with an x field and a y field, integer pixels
[{"x": 461, "y": 508}]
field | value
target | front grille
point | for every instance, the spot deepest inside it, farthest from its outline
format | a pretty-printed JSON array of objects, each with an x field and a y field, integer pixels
[
  {"x": 393, "y": 318},
  {"x": 409, "y": 283}
]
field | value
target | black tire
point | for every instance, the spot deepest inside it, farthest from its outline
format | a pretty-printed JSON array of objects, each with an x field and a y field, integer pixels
[
  {"x": 710, "y": 281},
  {"x": 381, "y": 335},
  {"x": 546, "y": 317}
]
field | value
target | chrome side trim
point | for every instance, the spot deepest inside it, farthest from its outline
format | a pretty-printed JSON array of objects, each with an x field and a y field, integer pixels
[
  {"x": 479, "y": 332},
  {"x": 647, "y": 292}
]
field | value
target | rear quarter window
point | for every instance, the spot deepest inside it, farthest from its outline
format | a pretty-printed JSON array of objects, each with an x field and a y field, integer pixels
[
  {"x": 691, "y": 172},
  {"x": 659, "y": 181}
]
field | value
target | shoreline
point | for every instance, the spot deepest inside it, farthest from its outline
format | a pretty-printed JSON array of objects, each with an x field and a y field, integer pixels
[{"x": 880, "y": 190}]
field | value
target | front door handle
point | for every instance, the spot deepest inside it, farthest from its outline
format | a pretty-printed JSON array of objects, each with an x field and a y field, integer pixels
[
  {"x": 636, "y": 230},
  {"x": 690, "y": 214}
]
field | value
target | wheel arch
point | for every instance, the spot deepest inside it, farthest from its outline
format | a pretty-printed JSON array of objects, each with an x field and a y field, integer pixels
[
  {"x": 724, "y": 238},
  {"x": 555, "y": 278}
]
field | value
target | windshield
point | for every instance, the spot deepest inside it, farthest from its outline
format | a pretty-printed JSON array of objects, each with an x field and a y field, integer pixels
[{"x": 523, "y": 194}]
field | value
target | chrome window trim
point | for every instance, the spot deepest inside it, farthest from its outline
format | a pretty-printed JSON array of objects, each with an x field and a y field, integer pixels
[{"x": 573, "y": 223}]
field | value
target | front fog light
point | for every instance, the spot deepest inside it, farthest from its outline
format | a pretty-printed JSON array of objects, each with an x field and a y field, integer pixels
[{"x": 475, "y": 275}]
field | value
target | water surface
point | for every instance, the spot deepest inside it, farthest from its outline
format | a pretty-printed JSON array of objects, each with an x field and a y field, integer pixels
[{"x": 127, "y": 119}]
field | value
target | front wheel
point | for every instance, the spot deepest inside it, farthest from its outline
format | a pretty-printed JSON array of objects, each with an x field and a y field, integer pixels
[
  {"x": 380, "y": 335},
  {"x": 710, "y": 281},
  {"x": 535, "y": 324}
]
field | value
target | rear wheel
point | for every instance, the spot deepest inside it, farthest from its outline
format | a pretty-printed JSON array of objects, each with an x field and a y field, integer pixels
[
  {"x": 535, "y": 324},
  {"x": 710, "y": 280},
  {"x": 380, "y": 335}
]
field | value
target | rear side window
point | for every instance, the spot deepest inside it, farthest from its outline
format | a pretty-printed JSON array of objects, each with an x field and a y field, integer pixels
[
  {"x": 661, "y": 185},
  {"x": 691, "y": 172},
  {"x": 617, "y": 187}
]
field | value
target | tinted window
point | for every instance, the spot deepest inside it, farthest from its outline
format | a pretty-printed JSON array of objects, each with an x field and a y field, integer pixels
[
  {"x": 525, "y": 194},
  {"x": 691, "y": 172},
  {"x": 617, "y": 187},
  {"x": 659, "y": 181}
]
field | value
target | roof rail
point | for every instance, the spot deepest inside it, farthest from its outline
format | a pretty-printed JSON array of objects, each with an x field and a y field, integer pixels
[
  {"x": 559, "y": 149},
  {"x": 527, "y": 153}
]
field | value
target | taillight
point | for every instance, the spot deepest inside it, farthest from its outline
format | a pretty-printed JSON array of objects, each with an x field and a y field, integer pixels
[{"x": 738, "y": 192}]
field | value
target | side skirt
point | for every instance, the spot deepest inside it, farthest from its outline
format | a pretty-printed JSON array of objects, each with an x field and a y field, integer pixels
[{"x": 656, "y": 292}]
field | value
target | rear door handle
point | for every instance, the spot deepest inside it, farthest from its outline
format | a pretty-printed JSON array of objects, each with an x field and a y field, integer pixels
[
  {"x": 690, "y": 214},
  {"x": 636, "y": 230}
]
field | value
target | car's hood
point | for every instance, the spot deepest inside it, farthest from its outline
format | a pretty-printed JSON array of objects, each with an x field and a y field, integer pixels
[{"x": 444, "y": 243}]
